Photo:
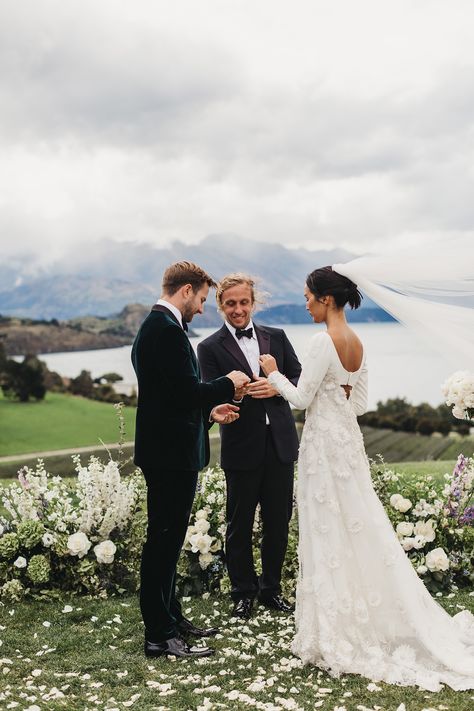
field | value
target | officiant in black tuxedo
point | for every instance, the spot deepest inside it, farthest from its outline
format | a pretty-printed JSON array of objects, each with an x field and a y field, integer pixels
[
  {"x": 175, "y": 410},
  {"x": 259, "y": 450}
]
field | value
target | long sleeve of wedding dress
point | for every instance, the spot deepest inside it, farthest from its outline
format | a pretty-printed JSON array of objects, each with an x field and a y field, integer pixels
[
  {"x": 360, "y": 606},
  {"x": 315, "y": 367}
]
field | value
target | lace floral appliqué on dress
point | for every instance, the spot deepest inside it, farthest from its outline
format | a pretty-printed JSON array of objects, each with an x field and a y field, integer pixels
[{"x": 360, "y": 606}]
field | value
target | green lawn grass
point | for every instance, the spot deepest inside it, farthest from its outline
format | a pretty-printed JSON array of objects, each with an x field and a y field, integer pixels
[
  {"x": 59, "y": 422},
  {"x": 91, "y": 657}
]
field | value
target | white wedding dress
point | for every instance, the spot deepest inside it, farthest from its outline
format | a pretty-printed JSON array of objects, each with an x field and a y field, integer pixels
[{"x": 360, "y": 606}]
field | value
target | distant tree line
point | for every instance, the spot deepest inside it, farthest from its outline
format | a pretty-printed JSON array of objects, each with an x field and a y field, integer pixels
[
  {"x": 31, "y": 379},
  {"x": 399, "y": 414}
]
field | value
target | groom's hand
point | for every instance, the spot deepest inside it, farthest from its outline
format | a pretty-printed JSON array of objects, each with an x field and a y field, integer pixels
[
  {"x": 260, "y": 388},
  {"x": 240, "y": 380},
  {"x": 224, "y": 414}
]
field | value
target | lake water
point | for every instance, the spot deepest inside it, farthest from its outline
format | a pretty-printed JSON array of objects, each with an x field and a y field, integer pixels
[{"x": 399, "y": 364}]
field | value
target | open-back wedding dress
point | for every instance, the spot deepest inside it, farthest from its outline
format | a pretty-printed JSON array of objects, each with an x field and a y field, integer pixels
[{"x": 360, "y": 606}]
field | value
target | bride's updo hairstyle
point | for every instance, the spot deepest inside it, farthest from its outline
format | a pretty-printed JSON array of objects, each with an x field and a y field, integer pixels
[{"x": 326, "y": 282}]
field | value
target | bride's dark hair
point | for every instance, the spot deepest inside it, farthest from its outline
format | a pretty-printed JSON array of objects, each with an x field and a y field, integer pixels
[{"x": 326, "y": 282}]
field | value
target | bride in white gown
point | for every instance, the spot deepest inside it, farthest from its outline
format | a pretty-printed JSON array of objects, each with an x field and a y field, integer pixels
[{"x": 360, "y": 606}]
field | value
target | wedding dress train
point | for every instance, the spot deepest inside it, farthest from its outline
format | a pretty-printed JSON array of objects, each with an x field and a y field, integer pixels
[{"x": 360, "y": 606}]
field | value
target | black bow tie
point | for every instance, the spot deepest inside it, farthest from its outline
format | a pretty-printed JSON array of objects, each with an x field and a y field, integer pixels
[
  {"x": 239, "y": 333},
  {"x": 185, "y": 325}
]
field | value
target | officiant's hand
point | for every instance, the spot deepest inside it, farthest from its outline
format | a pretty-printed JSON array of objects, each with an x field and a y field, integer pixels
[
  {"x": 224, "y": 414},
  {"x": 260, "y": 388},
  {"x": 268, "y": 363}
]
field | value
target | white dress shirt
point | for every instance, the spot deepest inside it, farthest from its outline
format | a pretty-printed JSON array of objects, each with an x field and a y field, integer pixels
[
  {"x": 174, "y": 310},
  {"x": 250, "y": 349}
]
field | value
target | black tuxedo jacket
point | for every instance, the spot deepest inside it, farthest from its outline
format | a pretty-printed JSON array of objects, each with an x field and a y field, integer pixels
[
  {"x": 173, "y": 403},
  {"x": 243, "y": 441}
]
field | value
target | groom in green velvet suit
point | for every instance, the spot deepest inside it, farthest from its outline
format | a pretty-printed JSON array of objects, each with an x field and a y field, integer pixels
[{"x": 175, "y": 410}]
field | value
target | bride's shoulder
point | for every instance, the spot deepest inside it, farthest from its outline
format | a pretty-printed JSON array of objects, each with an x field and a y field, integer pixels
[{"x": 320, "y": 341}]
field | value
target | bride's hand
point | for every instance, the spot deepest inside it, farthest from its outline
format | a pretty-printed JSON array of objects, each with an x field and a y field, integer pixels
[{"x": 268, "y": 363}]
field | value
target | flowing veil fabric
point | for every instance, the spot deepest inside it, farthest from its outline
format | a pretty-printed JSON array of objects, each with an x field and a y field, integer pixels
[{"x": 430, "y": 289}]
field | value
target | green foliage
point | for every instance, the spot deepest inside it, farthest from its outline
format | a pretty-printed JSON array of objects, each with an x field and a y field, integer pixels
[
  {"x": 400, "y": 415},
  {"x": 22, "y": 381}
]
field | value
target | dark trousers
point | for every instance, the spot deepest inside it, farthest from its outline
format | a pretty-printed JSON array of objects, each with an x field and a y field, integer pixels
[
  {"x": 271, "y": 485},
  {"x": 170, "y": 499}
]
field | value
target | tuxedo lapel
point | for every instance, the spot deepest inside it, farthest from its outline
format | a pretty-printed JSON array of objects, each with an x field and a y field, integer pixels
[
  {"x": 231, "y": 346},
  {"x": 160, "y": 307},
  {"x": 263, "y": 338}
]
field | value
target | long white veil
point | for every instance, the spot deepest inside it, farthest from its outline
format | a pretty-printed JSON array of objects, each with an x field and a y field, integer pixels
[{"x": 429, "y": 288}]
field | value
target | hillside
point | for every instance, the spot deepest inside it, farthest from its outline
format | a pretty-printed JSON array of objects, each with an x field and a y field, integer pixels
[
  {"x": 21, "y": 336},
  {"x": 99, "y": 281}
]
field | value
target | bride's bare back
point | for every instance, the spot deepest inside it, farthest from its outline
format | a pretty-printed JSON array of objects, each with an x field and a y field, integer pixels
[{"x": 348, "y": 347}]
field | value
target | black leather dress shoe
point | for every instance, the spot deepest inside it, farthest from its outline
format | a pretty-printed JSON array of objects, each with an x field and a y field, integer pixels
[
  {"x": 276, "y": 602},
  {"x": 177, "y": 647},
  {"x": 243, "y": 608},
  {"x": 186, "y": 627}
]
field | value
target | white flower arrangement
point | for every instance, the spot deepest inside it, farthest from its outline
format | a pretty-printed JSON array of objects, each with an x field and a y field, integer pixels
[
  {"x": 434, "y": 523},
  {"x": 86, "y": 537},
  {"x": 458, "y": 390}
]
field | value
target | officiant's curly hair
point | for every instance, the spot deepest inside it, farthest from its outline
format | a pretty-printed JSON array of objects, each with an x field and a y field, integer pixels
[
  {"x": 181, "y": 273},
  {"x": 236, "y": 279},
  {"x": 326, "y": 282}
]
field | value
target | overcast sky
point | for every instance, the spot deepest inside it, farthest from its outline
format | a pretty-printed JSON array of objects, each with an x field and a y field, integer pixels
[{"x": 317, "y": 123}]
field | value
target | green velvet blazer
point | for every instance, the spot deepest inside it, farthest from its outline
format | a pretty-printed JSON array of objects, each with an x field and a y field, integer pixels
[{"x": 173, "y": 403}]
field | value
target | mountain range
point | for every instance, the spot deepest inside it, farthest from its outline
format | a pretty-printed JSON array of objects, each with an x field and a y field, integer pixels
[{"x": 100, "y": 281}]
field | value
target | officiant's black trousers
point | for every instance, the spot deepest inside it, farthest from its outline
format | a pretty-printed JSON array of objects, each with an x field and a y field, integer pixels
[
  {"x": 170, "y": 499},
  {"x": 269, "y": 484}
]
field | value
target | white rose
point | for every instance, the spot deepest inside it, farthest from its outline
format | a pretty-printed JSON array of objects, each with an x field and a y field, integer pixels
[
  {"x": 437, "y": 560},
  {"x": 404, "y": 505},
  {"x": 419, "y": 542},
  {"x": 1, "y": 529},
  {"x": 407, "y": 543},
  {"x": 20, "y": 562},
  {"x": 202, "y": 526},
  {"x": 202, "y": 513},
  {"x": 78, "y": 544},
  {"x": 422, "y": 569},
  {"x": 425, "y": 529},
  {"x": 394, "y": 500},
  {"x": 405, "y": 528},
  {"x": 205, "y": 559},
  {"x": 105, "y": 551},
  {"x": 47, "y": 539},
  {"x": 200, "y": 543}
]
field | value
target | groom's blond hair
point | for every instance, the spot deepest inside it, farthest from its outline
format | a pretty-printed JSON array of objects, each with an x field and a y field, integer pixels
[{"x": 236, "y": 279}]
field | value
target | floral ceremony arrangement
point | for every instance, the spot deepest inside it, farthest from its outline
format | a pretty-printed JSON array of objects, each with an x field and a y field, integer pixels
[
  {"x": 458, "y": 390},
  {"x": 87, "y": 536},
  {"x": 84, "y": 537},
  {"x": 434, "y": 522}
]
